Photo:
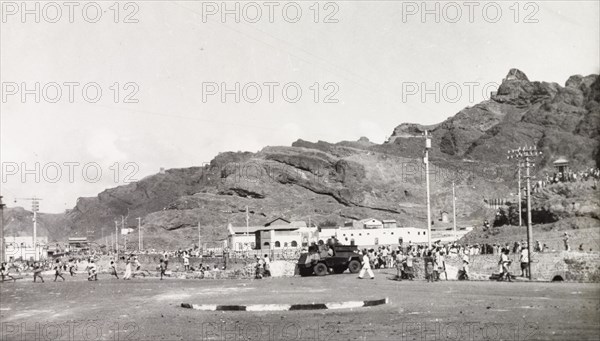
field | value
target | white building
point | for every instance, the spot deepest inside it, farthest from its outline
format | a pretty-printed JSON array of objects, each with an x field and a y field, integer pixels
[
  {"x": 276, "y": 234},
  {"x": 281, "y": 234},
  {"x": 22, "y": 248},
  {"x": 241, "y": 238},
  {"x": 371, "y": 223},
  {"x": 374, "y": 237}
]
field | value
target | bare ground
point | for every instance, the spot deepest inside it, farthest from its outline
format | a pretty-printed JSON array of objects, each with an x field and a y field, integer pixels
[{"x": 149, "y": 309}]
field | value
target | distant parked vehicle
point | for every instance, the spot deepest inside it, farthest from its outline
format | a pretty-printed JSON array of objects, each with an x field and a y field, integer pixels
[{"x": 329, "y": 259}]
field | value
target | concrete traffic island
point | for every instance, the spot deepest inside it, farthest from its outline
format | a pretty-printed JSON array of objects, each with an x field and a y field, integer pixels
[{"x": 287, "y": 307}]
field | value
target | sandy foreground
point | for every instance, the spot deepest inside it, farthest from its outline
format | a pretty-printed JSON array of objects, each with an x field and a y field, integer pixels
[{"x": 150, "y": 309}]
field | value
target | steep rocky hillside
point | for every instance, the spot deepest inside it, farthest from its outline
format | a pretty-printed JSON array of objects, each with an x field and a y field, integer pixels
[
  {"x": 360, "y": 179},
  {"x": 19, "y": 222}
]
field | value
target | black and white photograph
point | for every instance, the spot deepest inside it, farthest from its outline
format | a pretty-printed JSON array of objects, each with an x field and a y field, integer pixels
[{"x": 302, "y": 170}]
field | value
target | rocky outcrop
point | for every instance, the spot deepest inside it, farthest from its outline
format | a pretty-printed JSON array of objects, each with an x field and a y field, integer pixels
[
  {"x": 561, "y": 121},
  {"x": 361, "y": 179}
]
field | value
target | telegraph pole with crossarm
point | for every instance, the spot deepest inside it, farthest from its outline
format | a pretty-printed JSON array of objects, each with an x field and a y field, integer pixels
[{"x": 526, "y": 155}]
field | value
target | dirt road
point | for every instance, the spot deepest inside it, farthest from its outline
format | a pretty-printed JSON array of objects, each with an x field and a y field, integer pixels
[{"x": 150, "y": 309}]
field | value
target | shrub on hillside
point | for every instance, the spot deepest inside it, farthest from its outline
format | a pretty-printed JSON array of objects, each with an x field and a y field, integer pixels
[{"x": 329, "y": 223}]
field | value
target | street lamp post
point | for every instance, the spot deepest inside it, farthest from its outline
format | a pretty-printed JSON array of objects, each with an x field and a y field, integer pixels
[
  {"x": 139, "y": 219},
  {"x": 527, "y": 154},
  {"x": 454, "y": 210},
  {"x": 117, "y": 238},
  {"x": 35, "y": 207},
  {"x": 426, "y": 161},
  {"x": 1, "y": 231}
]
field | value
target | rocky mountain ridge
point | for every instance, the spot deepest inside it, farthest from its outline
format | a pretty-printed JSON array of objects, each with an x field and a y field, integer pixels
[{"x": 334, "y": 182}]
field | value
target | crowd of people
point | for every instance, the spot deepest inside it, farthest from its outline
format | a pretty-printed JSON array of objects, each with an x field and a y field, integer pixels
[
  {"x": 568, "y": 176},
  {"x": 133, "y": 267},
  {"x": 403, "y": 257},
  {"x": 263, "y": 267}
]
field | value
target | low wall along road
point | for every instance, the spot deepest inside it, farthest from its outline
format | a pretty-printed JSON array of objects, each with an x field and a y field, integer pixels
[{"x": 549, "y": 266}]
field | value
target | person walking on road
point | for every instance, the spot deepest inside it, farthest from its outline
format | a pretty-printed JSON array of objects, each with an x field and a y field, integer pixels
[
  {"x": 186, "y": 261},
  {"x": 505, "y": 263},
  {"x": 137, "y": 268},
  {"x": 58, "y": 270},
  {"x": 428, "y": 260},
  {"x": 524, "y": 259},
  {"x": 4, "y": 272},
  {"x": 127, "y": 269},
  {"x": 92, "y": 271},
  {"x": 463, "y": 275},
  {"x": 71, "y": 267},
  {"x": 113, "y": 269},
  {"x": 163, "y": 268},
  {"x": 166, "y": 259},
  {"x": 410, "y": 274},
  {"x": 442, "y": 265},
  {"x": 400, "y": 263},
  {"x": 366, "y": 266},
  {"x": 267, "y": 266},
  {"x": 37, "y": 272}
]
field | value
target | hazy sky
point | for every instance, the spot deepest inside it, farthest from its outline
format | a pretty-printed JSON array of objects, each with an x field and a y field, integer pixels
[{"x": 374, "y": 61}]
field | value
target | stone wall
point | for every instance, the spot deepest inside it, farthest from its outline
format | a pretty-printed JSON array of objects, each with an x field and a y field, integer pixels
[{"x": 567, "y": 266}]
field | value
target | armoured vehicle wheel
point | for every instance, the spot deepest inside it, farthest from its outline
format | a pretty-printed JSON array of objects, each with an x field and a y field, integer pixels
[
  {"x": 354, "y": 266},
  {"x": 320, "y": 269}
]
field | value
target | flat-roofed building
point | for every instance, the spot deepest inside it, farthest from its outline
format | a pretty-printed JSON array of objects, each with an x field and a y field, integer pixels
[
  {"x": 78, "y": 244},
  {"x": 22, "y": 248},
  {"x": 276, "y": 234},
  {"x": 389, "y": 224},
  {"x": 373, "y": 237}
]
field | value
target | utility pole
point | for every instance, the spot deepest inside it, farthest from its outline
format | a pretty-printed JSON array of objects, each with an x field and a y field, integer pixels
[
  {"x": 35, "y": 207},
  {"x": 122, "y": 228},
  {"x": 117, "y": 238},
  {"x": 198, "y": 234},
  {"x": 454, "y": 210},
  {"x": 139, "y": 219},
  {"x": 527, "y": 154},
  {"x": 247, "y": 220},
  {"x": 426, "y": 161},
  {"x": 2, "y": 248},
  {"x": 520, "y": 200}
]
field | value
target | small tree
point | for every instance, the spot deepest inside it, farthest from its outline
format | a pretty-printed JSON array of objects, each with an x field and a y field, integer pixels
[
  {"x": 513, "y": 214},
  {"x": 501, "y": 217}
]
